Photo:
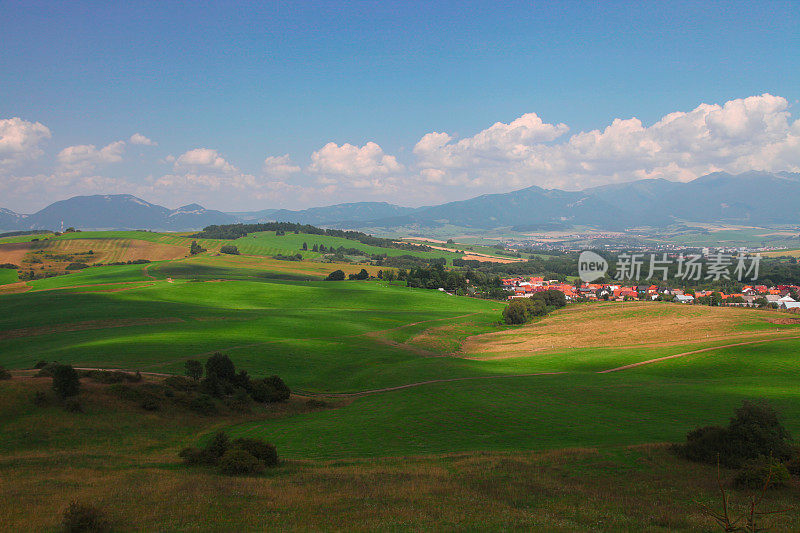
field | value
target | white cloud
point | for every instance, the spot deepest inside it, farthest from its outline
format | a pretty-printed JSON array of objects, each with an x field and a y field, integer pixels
[
  {"x": 351, "y": 161},
  {"x": 280, "y": 165},
  {"x": 743, "y": 134},
  {"x": 203, "y": 160},
  {"x": 84, "y": 158},
  {"x": 138, "y": 138},
  {"x": 20, "y": 140}
]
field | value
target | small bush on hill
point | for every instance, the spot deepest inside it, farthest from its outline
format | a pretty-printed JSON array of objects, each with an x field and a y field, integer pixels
[
  {"x": 195, "y": 248},
  {"x": 793, "y": 464},
  {"x": 238, "y": 462},
  {"x": 81, "y": 517},
  {"x": 10, "y": 266},
  {"x": 194, "y": 369},
  {"x": 263, "y": 451},
  {"x": 76, "y": 266},
  {"x": 763, "y": 472},
  {"x": 4, "y": 374},
  {"x": 40, "y": 364},
  {"x": 229, "y": 249},
  {"x": 221, "y": 367},
  {"x": 271, "y": 389},
  {"x": 313, "y": 403},
  {"x": 73, "y": 405},
  {"x": 40, "y": 399},
  {"x": 65, "y": 381},
  {"x": 180, "y": 383},
  {"x": 521, "y": 310},
  {"x": 237, "y": 457},
  {"x": 203, "y": 404},
  {"x": 336, "y": 275},
  {"x": 754, "y": 431}
]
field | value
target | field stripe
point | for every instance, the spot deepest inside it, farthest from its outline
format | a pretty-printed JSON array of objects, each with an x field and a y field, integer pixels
[{"x": 683, "y": 354}]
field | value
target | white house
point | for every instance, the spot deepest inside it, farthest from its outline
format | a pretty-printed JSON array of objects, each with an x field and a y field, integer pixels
[{"x": 684, "y": 298}]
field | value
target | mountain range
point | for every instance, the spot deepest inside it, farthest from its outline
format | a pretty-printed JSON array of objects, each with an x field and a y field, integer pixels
[{"x": 750, "y": 198}]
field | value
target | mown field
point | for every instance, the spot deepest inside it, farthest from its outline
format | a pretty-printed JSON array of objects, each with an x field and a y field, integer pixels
[{"x": 436, "y": 416}]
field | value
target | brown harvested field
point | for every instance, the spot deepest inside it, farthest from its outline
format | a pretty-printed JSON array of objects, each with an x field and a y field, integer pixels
[
  {"x": 115, "y": 250},
  {"x": 624, "y": 325},
  {"x": 14, "y": 253},
  {"x": 488, "y": 258},
  {"x": 14, "y": 288}
]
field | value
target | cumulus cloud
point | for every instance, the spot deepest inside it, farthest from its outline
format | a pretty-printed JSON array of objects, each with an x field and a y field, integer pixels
[
  {"x": 138, "y": 138},
  {"x": 20, "y": 140},
  {"x": 84, "y": 158},
  {"x": 353, "y": 161},
  {"x": 280, "y": 165},
  {"x": 743, "y": 134},
  {"x": 203, "y": 159}
]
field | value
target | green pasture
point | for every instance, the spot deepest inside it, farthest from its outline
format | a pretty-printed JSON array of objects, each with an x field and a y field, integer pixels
[
  {"x": 265, "y": 243},
  {"x": 344, "y": 337},
  {"x": 8, "y": 276},
  {"x": 24, "y": 238}
]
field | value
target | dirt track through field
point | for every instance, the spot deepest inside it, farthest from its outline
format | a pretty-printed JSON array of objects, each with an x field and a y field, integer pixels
[{"x": 702, "y": 350}]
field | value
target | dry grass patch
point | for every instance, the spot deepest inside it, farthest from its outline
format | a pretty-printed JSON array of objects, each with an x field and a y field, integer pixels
[{"x": 621, "y": 325}]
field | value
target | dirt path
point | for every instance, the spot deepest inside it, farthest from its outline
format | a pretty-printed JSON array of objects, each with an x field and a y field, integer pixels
[
  {"x": 683, "y": 354},
  {"x": 419, "y": 384}
]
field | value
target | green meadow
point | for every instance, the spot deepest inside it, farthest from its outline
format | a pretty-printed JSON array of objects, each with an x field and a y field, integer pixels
[{"x": 418, "y": 392}]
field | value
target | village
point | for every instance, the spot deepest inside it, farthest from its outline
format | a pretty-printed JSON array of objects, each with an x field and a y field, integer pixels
[{"x": 783, "y": 297}]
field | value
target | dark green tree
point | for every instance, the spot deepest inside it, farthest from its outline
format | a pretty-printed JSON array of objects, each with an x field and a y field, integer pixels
[
  {"x": 66, "y": 382},
  {"x": 220, "y": 367},
  {"x": 336, "y": 275}
]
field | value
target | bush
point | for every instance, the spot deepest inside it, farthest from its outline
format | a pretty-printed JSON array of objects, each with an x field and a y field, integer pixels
[
  {"x": 271, "y": 389},
  {"x": 218, "y": 445},
  {"x": 40, "y": 399},
  {"x": 40, "y": 364},
  {"x": 76, "y": 266},
  {"x": 4, "y": 374},
  {"x": 65, "y": 381},
  {"x": 107, "y": 376},
  {"x": 240, "y": 401},
  {"x": 180, "y": 383},
  {"x": 150, "y": 404},
  {"x": 221, "y": 367},
  {"x": 194, "y": 369},
  {"x": 793, "y": 464},
  {"x": 754, "y": 431},
  {"x": 229, "y": 249},
  {"x": 238, "y": 462},
  {"x": 704, "y": 445},
  {"x": 313, "y": 403},
  {"x": 203, "y": 404},
  {"x": 79, "y": 517},
  {"x": 73, "y": 405},
  {"x": 336, "y": 275},
  {"x": 263, "y": 451},
  {"x": 194, "y": 456},
  {"x": 760, "y": 473}
]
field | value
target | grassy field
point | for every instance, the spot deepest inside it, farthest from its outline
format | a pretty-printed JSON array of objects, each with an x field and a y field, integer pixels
[
  {"x": 435, "y": 411},
  {"x": 8, "y": 276}
]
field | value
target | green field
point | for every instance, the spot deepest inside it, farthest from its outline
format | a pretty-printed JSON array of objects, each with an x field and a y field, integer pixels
[
  {"x": 8, "y": 276},
  {"x": 467, "y": 397}
]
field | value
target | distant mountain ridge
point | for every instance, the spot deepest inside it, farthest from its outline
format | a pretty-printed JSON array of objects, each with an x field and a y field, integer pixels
[{"x": 750, "y": 198}]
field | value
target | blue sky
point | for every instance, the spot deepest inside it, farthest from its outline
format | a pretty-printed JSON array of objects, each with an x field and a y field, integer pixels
[{"x": 248, "y": 81}]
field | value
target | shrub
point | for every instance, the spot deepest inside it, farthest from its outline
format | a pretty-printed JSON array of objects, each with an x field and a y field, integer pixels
[
  {"x": 73, "y": 405},
  {"x": 107, "y": 377},
  {"x": 313, "y": 403},
  {"x": 203, "y": 404},
  {"x": 229, "y": 249},
  {"x": 193, "y": 456},
  {"x": 180, "y": 383},
  {"x": 271, "y": 389},
  {"x": 218, "y": 445},
  {"x": 150, "y": 404},
  {"x": 221, "y": 367},
  {"x": 336, "y": 275},
  {"x": 754, "y": 431},
  {"x": 76, "y": 266},
  {"x": 263, "y": 451},
  {"x": 194, "y": 369},
  {"x": 65, "y": 381},
  {"x": 704, "y": 445},
  {"x": 238, "y": 462},
  {"x": 40, "y": 399},
  {"x": 760, "y": 473},
  {"x": 79, "y": 517},
  {"x": 516, "y": 312},
  {"x": 4, "y": 374},
  {"x": 240, "y": 401},
  {"x": 40, "y": 364}
]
